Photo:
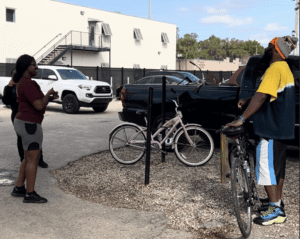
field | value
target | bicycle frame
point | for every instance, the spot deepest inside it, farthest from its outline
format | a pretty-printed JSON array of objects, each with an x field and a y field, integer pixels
[
  {"x": 175, "y": 121},
  {"x": 242, "y": 150}
]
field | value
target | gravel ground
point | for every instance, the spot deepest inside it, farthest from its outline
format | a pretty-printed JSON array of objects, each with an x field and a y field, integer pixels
[{"x": 192, "y": 198}]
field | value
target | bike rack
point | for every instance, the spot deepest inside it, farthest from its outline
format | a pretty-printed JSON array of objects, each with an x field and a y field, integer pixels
[
  {"x": 148, "y": 143},
  {"x": 164, "y": 79},
  {"x": 148, "y": 140}
]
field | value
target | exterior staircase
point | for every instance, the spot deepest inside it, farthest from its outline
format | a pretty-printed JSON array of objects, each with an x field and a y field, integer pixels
[
  {"x": 73, "y": 40},
  {"x": 54, "y": 55}
]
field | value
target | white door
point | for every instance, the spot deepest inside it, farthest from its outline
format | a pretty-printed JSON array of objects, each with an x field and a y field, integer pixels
[
  {"x": 38, "y": 78},
  {"x": 47, "y": 82}
]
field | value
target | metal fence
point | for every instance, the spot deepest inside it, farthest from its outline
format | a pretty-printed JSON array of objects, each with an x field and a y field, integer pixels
[{"x": 120, "y": 76}]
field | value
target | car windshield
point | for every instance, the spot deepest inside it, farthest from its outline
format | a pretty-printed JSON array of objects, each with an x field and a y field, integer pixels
[
  {"x": 71, "y": 74},
  {"x": 192, "y": 77}
]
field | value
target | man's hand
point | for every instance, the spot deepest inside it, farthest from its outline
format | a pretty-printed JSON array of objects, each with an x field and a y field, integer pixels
[
  {"x": 235, "y": 123},
  {"x": 242, "y": 103}
]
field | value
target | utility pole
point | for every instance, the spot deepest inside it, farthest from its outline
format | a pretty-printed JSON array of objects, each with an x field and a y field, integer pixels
[
  {"x": 297, "y": 27},
  {"x": 150, "y": 9}
]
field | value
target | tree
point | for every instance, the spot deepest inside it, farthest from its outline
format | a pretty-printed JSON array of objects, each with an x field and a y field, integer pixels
[
  {"x": 236, "y": 49},
  {"x": 177, "y": 34},
  {"x": 253, "y": 47},
  {"x": 211, "y": 49},
  {"x": 188, "y": 46},
  {"x": 215, "y": 48}
]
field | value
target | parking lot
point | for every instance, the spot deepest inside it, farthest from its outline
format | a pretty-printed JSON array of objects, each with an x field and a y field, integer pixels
[{"x": 68, "y": 138}]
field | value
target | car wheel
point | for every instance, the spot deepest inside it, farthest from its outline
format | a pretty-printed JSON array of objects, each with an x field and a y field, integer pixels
[
  {"x": 100, "y": 109},
  {"x": 70, "y": 104}
]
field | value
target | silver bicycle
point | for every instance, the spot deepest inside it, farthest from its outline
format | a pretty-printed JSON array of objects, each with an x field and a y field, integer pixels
[{"x": 192, "y": 144}]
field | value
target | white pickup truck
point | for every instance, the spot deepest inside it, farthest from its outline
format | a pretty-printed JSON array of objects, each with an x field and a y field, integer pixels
[{"x": 74, "y": 88}]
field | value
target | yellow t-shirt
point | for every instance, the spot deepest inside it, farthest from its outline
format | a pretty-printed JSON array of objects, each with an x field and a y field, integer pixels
[
  {"x": 276, "y": 78},
  {"x": 276, "y": 118}
]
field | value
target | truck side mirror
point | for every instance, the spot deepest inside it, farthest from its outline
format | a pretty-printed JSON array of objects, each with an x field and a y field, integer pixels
[{"x": 52, "y": 77}]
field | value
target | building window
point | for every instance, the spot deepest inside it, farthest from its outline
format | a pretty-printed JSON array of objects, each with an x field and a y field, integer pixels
[
  {"x": 46, "y": 73},
  {"x": 10, "y": 15},
  {"x": 164, "y": 37},
  {"x": 106, "y": 29},
  {"x": 11, "y": 60},
  {"x": 137, "y": 35},
  {"x": 164, "y": 67},
  {"x": 136, "y": 66}
]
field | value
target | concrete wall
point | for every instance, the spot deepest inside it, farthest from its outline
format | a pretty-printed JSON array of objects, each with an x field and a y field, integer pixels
[
  {"x": 39, "y": 21},
  {"x": 208, "y": 65}
]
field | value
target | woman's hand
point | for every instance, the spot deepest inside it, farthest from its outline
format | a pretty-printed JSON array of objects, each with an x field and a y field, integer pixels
[
  {"x": 53, "y": 97},
  {"x": 53, "y": 94}
]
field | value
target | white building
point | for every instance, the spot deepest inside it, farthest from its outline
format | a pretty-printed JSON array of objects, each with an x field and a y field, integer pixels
[{"x": 83, "y": 36}]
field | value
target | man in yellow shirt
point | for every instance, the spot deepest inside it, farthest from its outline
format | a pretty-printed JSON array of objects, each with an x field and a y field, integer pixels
[{"x": 273, "y": 111}]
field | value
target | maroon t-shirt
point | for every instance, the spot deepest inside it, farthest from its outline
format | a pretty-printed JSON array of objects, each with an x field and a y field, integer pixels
[{"x": 29, "y": 91}]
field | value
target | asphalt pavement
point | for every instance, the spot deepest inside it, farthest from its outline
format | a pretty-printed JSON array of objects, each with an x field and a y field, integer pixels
[{"x": 66, "y": 139}]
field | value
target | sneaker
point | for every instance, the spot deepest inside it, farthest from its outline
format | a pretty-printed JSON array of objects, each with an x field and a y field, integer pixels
[
  {"x": 34, "y": 198},
  {"x": 265, "y": 205},
  {"x": 42, "y": 164},
  {"x": 273, "y": 215},
  {"x": 21, "y": 192}
]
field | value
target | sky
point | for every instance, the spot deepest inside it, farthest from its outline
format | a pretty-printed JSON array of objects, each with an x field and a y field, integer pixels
[{"x": 259, "y": 20}]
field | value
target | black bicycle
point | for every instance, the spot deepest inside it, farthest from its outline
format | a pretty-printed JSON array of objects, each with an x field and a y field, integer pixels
[{"x": 243, "y": 181}]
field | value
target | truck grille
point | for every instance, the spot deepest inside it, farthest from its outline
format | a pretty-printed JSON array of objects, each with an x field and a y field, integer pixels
[{"x": 102, "y": 90}]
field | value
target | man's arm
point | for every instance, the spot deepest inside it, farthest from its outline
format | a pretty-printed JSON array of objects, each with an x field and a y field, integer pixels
[{"x": 256, "y": 102}]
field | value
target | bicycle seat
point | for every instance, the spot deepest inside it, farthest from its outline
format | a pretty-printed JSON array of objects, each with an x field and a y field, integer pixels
[
  {"x": 233, "y": 131},
  {"x": 141, "y": 113}
]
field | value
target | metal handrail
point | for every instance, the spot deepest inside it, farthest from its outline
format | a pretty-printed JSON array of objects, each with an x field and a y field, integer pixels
[
  {"x": 71, "y": 43},
  {"x": 53, "y": 47},
  {"x": 47, "y": 44}
]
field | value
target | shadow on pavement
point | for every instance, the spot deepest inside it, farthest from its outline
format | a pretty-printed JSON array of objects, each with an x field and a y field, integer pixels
[{"x": 82, "y": 111}]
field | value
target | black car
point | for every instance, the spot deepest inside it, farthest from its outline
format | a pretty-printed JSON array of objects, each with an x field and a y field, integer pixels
[{"x": 156, "y": 80}]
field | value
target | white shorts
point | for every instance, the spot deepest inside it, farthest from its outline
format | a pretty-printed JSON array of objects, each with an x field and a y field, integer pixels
[{"x": 270, "y": 161}]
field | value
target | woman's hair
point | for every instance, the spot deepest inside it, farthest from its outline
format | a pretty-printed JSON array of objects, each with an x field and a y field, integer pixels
[
  {"x": 12, "y": 72},
  {"x": 22, "y": 64}
]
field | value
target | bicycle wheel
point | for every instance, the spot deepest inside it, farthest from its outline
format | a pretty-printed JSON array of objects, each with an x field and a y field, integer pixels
[
  {"x": 240, "y": 189},
  {"x": 127, "y": 144},
  {"x": 197, "y": 154},
  {"x": 233, "y": 154}
]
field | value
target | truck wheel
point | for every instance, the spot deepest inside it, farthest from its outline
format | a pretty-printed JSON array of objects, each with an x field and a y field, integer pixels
[
  {"x": 100, "y": 109},
  {"x": 70, "y": 104}
]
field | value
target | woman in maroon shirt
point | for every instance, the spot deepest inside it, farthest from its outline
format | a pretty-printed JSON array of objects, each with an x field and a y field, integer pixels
[{"x": 27, "y": 124}]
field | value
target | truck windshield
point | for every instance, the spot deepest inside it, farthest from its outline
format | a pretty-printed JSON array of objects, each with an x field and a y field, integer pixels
[{"x": 68, "y": 74}]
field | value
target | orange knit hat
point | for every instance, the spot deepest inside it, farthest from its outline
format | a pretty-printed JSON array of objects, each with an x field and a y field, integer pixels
[
  {"x": 284, "y": 45},
  {"x": 274, "y": 42}
]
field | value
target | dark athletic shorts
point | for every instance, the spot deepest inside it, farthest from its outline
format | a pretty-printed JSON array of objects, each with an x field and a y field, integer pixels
[
  {"x": 270, "y": 161},
  {"x": 31, "y": 134}
]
